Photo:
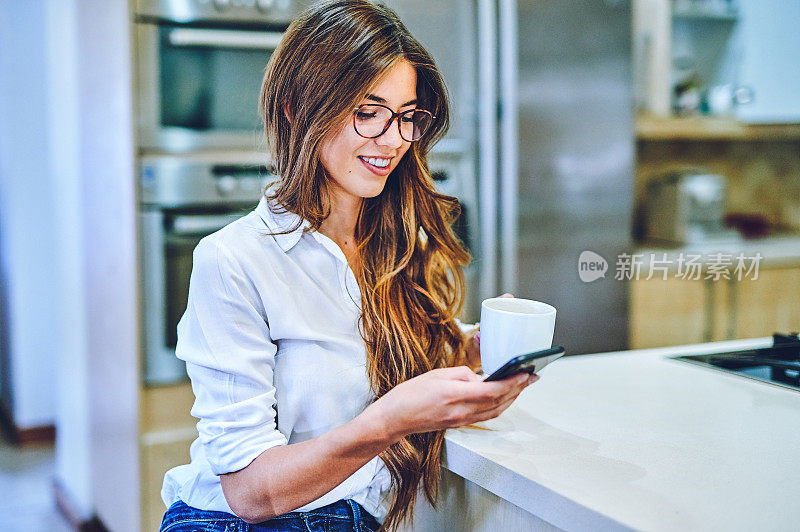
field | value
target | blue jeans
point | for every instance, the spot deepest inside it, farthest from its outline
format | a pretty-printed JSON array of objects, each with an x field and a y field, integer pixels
[{"x": 344, "y": 515}]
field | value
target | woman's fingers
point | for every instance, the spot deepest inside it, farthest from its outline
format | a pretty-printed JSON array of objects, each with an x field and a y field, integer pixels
[
  {"x": 487, "y": 394},
  {"x": 473, "y": 348},
  {"x": 494, "y": 411},
  {"x": 476, "y": 332},
  {"x": 490, "y": 401},
  {"x": 459, "y": 373},
  {"x": 506, "y": 401},
  {"x": 512, "y": 393}
]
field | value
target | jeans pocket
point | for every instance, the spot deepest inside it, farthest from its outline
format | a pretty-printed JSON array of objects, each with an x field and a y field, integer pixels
[{"x": 329, "y": 523}]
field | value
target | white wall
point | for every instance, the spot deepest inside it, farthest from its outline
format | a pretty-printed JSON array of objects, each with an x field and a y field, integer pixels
[
  {"x": 28, "y": 232},
  {"x": 68, "y": 243},
  {"x": 109, "y": 257},
  {"x": 73, "y": 444}
]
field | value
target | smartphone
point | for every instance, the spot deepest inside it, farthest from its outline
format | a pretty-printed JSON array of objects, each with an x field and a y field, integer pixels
[{"x": 529, "y": 363}]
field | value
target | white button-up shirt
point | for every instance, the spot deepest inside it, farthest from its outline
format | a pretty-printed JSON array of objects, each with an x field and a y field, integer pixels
[{"x": 271, "y": 343}]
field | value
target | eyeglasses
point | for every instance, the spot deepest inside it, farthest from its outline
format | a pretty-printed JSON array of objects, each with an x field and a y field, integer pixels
[{"x": 373, "y": 120}]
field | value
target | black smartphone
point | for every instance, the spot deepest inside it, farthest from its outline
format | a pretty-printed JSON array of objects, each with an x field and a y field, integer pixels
[{"x": 529, "y": 363}]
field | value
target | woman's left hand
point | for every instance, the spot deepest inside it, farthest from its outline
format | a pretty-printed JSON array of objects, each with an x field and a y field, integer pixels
[{"x": 472, "y": 339}]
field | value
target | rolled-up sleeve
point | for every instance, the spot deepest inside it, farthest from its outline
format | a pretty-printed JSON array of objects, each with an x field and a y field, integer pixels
[{"x": 224, "y": 338}]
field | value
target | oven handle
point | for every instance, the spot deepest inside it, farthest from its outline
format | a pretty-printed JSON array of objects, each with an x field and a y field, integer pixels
[
  {"x": 257, "y": 40},
  {"x": 194, "y": 224}
]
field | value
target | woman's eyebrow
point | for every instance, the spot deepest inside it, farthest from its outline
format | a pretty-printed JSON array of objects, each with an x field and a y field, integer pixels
[{"x": 383, "y": 100}]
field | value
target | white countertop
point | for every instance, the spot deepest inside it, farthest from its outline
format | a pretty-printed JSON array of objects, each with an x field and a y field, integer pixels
[{"x": 635, "y": 440}]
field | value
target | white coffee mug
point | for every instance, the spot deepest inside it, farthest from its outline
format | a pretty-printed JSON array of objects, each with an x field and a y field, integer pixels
[{"x": 512, "y": 327}]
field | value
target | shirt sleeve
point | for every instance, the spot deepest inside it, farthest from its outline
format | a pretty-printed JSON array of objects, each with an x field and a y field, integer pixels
[
  {"x": 225, "y": 340},
  {"x": 465, "y": 327}
]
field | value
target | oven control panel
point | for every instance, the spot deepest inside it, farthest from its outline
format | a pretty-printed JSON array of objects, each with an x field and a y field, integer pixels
[
  {"x": 172, "y": 182},
  {"x": 268, "y": 12}
]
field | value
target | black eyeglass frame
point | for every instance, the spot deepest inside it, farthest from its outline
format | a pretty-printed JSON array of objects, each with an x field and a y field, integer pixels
[{"x": 391, "y": 119}]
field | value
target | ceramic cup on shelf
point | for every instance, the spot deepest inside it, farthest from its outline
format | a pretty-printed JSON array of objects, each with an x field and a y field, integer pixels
[
  {"x": 512, "y": 327},
  {"x": 723, "y": 99}
]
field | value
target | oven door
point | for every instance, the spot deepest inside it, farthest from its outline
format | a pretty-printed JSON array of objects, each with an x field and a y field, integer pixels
[
  {"x": 168, "y": 239},
  {"x": 198, "y": 88}
]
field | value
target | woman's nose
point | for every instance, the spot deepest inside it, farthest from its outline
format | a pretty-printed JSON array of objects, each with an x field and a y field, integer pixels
[{"x": 391, "y": 138}]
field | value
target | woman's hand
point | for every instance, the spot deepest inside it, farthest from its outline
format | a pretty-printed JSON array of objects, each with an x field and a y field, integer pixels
[
  {"x": 472, "y": 340},
  {"x": 445, "y": 398}
]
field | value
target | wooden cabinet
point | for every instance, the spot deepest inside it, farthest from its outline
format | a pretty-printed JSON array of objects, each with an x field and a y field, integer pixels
[
  {"x": 666, "y": 312},
  {"x": 677, "y": 311},
  {"x": 160, "y": 452},
  {"x": 167, "y": 429},
  {"x": 769, "y": 304},
  {"x": 166, "y": 407}
]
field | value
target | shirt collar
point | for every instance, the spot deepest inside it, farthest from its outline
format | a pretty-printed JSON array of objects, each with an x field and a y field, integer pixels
[{"x": 277, "y": 219}]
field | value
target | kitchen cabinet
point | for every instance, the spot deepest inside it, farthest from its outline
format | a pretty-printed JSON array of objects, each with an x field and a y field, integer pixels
[
  {"x": 160, "y": 452},
  {"x": 166, "y": 430},
  {"x": 683, "y": 43},
  {"x": 770, "y": 304},
  {"x": 770, "y": 53},
  {"x": 166, "y": 407},
  {"x": 702, "y": 45},
  {"x": 666, "y": 312},
  {"x": 679, "y": 311}
]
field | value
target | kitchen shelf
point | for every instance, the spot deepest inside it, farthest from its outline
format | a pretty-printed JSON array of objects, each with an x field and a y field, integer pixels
[
  {"x": 710, "y": 128},
  {"x": 697, "y": 13},
  {"x": 778, "y": 250}
]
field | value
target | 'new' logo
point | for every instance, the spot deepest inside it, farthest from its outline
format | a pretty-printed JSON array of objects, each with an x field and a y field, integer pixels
[{"x": 591, "y": 266}]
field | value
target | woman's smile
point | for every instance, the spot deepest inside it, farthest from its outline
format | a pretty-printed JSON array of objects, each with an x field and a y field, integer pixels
[{"x": 378, "y": 165}]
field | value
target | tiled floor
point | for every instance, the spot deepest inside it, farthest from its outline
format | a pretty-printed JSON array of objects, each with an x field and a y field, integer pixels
[{"x": 26, "y": 493}]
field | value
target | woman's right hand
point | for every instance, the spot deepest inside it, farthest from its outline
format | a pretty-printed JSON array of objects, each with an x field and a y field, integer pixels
[{"x": 446, "y": 398}]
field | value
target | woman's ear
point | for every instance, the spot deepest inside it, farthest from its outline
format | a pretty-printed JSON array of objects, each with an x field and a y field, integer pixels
[{"x": 286, "y": 112}]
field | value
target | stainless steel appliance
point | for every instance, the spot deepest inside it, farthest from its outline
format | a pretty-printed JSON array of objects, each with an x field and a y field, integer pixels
[
  {"x": 686, "y": 206},
  {"x": 454, "y": 160},
  {"x": 779, "y": 364},
  {"x": 199, "y": 66},
  {"x": 183, "y": 199},
  {"x": 571, "y": 189},
  {"x": 542, "y": 100}
]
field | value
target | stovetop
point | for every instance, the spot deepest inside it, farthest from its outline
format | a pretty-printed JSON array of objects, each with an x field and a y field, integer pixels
[{"x": 778, "y": 364}]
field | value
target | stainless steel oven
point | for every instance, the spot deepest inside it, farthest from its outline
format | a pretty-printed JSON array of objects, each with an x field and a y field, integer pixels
[
  {"x": 183, "y": 199},
  {"x": 199, "y": 67}
]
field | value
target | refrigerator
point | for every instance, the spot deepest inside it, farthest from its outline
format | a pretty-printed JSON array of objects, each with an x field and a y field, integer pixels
[{"x": 542, "y": 100}]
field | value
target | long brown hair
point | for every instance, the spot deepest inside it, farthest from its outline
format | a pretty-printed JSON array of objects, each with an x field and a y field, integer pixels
[{"x": 411, "y": 278}]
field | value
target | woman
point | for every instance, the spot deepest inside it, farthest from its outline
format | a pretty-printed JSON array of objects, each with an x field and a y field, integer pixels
[{"x": 320, "y": 333}]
